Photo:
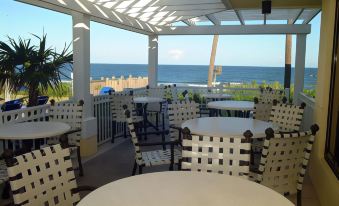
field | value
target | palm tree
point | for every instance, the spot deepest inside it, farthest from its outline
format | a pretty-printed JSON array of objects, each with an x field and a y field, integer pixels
[{"x": 36, "y": 68}]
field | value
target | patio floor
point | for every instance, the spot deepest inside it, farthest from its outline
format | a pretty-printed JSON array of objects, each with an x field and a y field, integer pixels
[{"x": 115, "y": 161}]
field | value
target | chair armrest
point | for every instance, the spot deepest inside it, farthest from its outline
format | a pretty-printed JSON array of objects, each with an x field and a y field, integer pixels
[
  {"x": 289, "y": 132},
  {"x": 83, "y": 188},
  {"x": 158, "y": 143},
  {"x": 175, "y": 127}
]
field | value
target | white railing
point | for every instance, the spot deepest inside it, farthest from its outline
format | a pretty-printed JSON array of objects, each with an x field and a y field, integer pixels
[
  {"x": 103, "y": 114},
  {"x": 308, "y": 118},
  {"x": 234, "y": 91}
]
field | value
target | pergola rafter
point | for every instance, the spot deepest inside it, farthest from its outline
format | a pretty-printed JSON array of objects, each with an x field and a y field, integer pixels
[
  {"x": 295, "y": 19},
  {"x": 97, "y": 13},
  {"x": 212, "y": 19},
  {"x": 229, "y": 6}
]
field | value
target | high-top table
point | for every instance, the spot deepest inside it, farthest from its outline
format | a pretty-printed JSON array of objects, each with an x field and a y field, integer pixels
[
  {"x": 184, "y": 189},
  {"x": 237, "y": 106},
  {"x": 144, "y": 101},
  {"x": 230, "y": 126}
]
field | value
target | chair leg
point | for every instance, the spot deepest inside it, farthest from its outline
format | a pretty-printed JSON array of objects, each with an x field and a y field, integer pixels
[
  {"x": 171, "y": 167},
  {"x": 157, "y": 120},
  {"x": 179, "y": 165},
  {"x": 114, "y": 127},
  {"x": 125, "y": 130},
  {"x": 299, "y": 198},
  {"x": 6, "y": 191},
  {"x": 134, "y": 168},
  {"x": 140, "y": 169},
  {"x": 163, "y": 131},
  {"x": 81, "y": 170}
]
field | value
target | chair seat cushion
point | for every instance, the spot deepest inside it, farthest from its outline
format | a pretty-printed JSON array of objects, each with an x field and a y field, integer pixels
[
  {"x": 160, "y": 157},
  {"x": 3, "y": 172}
]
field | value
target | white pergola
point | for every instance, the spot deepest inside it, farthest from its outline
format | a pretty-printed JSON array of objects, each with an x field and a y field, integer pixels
[{"x": 180, "y": 17}]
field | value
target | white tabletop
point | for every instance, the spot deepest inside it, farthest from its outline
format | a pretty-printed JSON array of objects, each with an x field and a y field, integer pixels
[
  {"x": 230, "y": 126},
  {"x": 33, "y": 130},
  {"x": 145, "y": 100},
  {"x": 184, "y": 189},
  {"x": 217, "y": 96},
  {"x": 232, "y": 105}
]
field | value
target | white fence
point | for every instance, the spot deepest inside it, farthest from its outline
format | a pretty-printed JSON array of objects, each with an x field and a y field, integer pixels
[{"x": 103, "y": 114}]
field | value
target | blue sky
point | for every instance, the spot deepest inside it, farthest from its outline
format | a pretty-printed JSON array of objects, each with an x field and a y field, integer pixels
[{"x": 112, "y": 45}]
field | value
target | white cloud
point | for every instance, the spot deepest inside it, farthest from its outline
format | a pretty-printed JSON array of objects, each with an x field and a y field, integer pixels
[{"x": 176, "y": 54}]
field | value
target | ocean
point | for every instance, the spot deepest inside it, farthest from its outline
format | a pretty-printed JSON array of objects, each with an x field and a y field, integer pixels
[{"x": 197, "y": 74}]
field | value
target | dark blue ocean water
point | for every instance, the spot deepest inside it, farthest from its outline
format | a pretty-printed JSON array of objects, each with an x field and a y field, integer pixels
[{"x": 197, "y": 74}]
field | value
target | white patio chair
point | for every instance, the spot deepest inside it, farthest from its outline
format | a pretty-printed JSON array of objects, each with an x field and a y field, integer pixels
[
  {"x": 268, "y": 95},
  {"x": 3, "y": 174},
  {"x": 154, "y": 157},
  {"x": 118, "y": 100},
  {"x": 262, "y": 110},
  {"x": 284, "y": 161},
  {"x": 224, "y": 155},
  {"x": 71, "y": 114},
  {"x": 287, "y": 117},
  {"x": 178, "y": 113},
  {"x": 44, "y": 177}
]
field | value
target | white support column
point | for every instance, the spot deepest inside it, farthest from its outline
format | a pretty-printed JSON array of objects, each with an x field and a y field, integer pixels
[
  {"x": 153, "y": 60},
  {"x": 81, "y": 58},
  {"x": 299, "y": 71},
  {"x": 81, "y": 71}
]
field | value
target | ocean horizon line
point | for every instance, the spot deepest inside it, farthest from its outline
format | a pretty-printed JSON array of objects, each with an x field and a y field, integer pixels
[{"x": 200, "y": 65}]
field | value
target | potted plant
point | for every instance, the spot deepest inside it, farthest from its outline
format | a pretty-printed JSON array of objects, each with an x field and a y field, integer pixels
[{"x": 35, "y": 68}]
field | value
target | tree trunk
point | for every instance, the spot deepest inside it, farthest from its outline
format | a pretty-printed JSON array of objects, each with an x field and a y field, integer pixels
[{"x": 33, "y": 94}]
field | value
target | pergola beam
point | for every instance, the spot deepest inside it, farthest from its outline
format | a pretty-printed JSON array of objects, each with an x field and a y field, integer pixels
[
  {"x": 213, "y": 19},
  {"x": 241, "y": 19},
  {"x": 237, "y": 30},
  {"x": 295, "y": 19},
  {"x": 229, "y": 6},
  {"x": 97, "y": 13},
  {"x": 311, "y": 17},
  {"x": 189, "y": 22}
]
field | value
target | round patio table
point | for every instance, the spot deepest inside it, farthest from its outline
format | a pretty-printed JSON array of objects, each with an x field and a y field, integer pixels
[
  {"x": 232, "y": 105},
  {"x": 226, "y": 126},
  {"x": 217, "y": 96},
  {"x": 33, "y": 130},
  {"x": 241, "y": 108},
  {"x": 184, "y": 189},
  {"x": 144, "y": 101},
  {"x": 147, "y": 100}
]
